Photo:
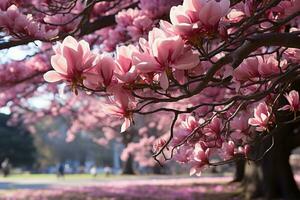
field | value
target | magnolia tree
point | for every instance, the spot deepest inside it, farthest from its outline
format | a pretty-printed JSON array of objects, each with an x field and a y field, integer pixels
[{"x": 227, "y": 71}]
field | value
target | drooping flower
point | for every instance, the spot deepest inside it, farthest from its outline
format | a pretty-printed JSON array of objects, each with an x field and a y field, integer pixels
[
  {"x": 201, "y": 159},
  {"x": 262, "y": 117},
  {"x": 293, "y": 99}
]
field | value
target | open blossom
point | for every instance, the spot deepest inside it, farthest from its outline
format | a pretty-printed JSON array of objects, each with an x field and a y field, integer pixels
[
  {"x": 13, "y": 21},
  {"x": 239, "y": 126},
  {"x": 164, "y": 52},
  {"x": 101, "y": 74},
  {"x": 196, "y": 14},
  {"x": 248, "y": 69},
  {"x": 262, "y": 117},
  {"x": 201, "y": 159},
  {"x": 270, "y": 66},
  {"x": 71, "y": 60},
  {"x": 190, "y": 123},
  {"x": 125, "y": 71},
  {"x": 214, "y": 128},
  {"x": 228, "y": 150},
  {"x": 293, "y": 99},
  {"x": 120, "y": 110}
]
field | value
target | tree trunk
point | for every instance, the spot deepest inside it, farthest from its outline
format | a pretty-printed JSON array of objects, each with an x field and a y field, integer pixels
[
  {"x": 273, "y": 177},
  {"x": 278, "y": 176},
  {"x": 128, "y": 165},
  {"x": 239, "y": 170},
  {"x": 252, "y": 181},
  {"x": 126, "y": 139}
]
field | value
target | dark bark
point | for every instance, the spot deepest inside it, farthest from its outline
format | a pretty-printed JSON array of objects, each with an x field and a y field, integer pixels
[
  {"x": 278, "y": 175},
  {"x": 128, "y": 165},
  {"x": 239, "y": 170},
  {"x": 252, "y": 181},
  {"x": 272, "y": 177}
]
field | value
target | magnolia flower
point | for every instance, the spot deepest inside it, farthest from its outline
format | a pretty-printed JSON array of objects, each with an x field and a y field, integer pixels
[
  {"x": 248, "y": 69},
  {"x": 214, "y": 128},
  {"x": 126, "y": 72},
  {"x": 228, "y": 150},
  {"x": 262, "y": 117},
  {"x": 190, "y": 123},
  {"x": 239, "y": 126},
  {"x": 293, "y": 99},
  {"x": 196, "y": 14},
  {"x": 101, "y": 74},
  {"x": 270, "y": 66},
  {"x": 71, "y": 60},
  {"x": 163, "y": 52},
  {"x": 201, "y": 159}
]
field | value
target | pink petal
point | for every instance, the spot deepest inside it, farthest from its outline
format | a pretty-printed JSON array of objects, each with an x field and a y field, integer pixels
[
  {"x": 164, "y": 81},
  {"x": 52, "y": 76},
  {"x": 125, "y": 125},
  {"x": 286, "y": 107},
  {"x": 59, "y": 64}
]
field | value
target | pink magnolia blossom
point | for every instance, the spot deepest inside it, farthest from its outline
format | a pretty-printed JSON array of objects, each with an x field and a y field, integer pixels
[
  {"x": 4, "y": 4},
  {"x": 101, "y": 74},
  {"x": 121, "y": 105},
  {"x": 162, "y": 52},
  {"x": 213, "y": 128},
  {"x": 71, "y": 61},
  {"x": 270, "y": 66},
  {"x": 262, "y": 117},
  {"x": 228, "y": 150},
  {"x": 126, "y": 17},
  {"x": 211, "y": 11},
  {"x": 248, "y": 69},
  {"x": 190, "y": 123},
  {"x": 125, "y": 71},
  {"x": 140, "y": 26},
  {"x": 195, "y": 14},
  {"x": 157, "y": 8},
  {"x": 239, "y": 126},
  {"x": 201, "y": 159},
  {"x": 183, "y": 154},
  {"x": 293, "y": 99},
  {"x": 179, "y": 136},
  {"x": 13, "y": 21},
  {"x": 119, "y": 110}
]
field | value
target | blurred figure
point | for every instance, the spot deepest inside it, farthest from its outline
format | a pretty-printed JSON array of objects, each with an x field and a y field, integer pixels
[
  {"x": 107, "y": 170},
  {"x": 93, "y": 171},
  {"x": 61, "y": 170},
  {"x": 5, "y": 165}
]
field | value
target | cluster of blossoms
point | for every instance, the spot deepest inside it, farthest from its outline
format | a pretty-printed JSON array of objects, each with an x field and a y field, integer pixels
[
  {"x": 133, "y": 23},
  {"x": 167, "y": 66},
  {"x": 23, "y": 26}
]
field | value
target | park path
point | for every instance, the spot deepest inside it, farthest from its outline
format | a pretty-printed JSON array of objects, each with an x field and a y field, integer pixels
[{"x": 41, "y": 183}]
